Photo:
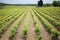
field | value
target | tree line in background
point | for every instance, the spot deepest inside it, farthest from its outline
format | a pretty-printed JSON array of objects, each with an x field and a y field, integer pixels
[
  {"x": 2, "y": 5},
  {"x": 40, "y": 4},
  {"x": 54, "y": 3}
]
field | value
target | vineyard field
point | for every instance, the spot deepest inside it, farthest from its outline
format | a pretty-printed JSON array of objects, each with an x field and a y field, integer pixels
[{"x": 29, "y": 23}]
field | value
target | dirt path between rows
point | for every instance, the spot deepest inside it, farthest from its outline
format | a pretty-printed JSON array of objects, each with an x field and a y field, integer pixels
[
  {"x": 31, "y": 33},
  {"x": 51, "y": 24},
  {"x": 19, "y": 34},
  {"x": 44, "y": 33},
  {"x": 6, "y": 34},
  {"x": 53, "y": 27}
]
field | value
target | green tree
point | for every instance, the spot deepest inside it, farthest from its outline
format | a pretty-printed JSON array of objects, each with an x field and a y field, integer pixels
[
  {"x": 56, "y": 3},
  {"x": 40, "y": 3}
]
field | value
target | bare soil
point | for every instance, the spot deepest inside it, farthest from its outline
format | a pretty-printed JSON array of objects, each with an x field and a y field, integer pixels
[
  {"x": 44, "y": 33},
  {"x": 6, "y": 34},
  {"x": 19, "y": 34},
  {"x": 31, "y": 33}
]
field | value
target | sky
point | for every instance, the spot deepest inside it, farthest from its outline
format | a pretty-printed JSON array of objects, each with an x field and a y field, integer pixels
[{"x": 24, "y": 1}]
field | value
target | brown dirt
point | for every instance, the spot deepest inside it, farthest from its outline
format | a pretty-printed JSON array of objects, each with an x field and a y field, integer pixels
[
  {"x": 55, "y": 29},
  {"x": 6, "y": 34},
  {"x": 52, "y": 25},
  {"x": 19, "y": 34},
  {"x": 31, "y": 33},
  {"x": 50, "y": 36},
  {"x": 44, "y": 33}
]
